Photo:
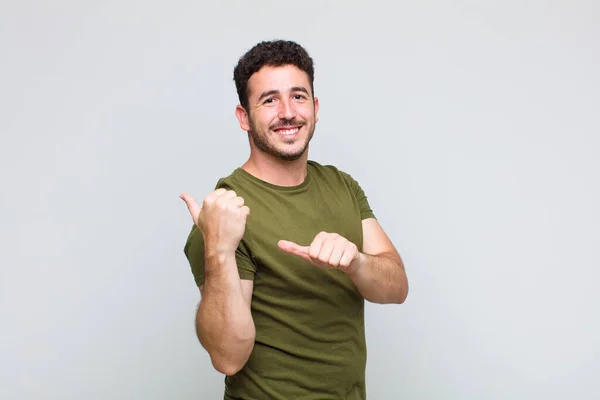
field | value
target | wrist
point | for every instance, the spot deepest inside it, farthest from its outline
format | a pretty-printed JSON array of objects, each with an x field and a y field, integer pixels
[
  {"x": 215, "y": 250},
  {"x": 356, "y": 265},
  {"x": 219, "y": 256},
  {"x": 220, "y": 267}
]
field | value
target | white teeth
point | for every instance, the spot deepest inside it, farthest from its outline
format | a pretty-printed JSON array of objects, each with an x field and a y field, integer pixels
[{"x": 287, "y": 131}]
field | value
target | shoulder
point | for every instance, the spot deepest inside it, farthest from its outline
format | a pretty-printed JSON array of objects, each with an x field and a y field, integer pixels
[
  {"x": 226, "y": 182},
  {"x": 332, "y": 172},
  {"x": 233, "y": 181}
]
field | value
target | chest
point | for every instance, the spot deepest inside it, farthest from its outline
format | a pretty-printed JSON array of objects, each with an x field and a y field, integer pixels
[{"x": 299, "y": 219}]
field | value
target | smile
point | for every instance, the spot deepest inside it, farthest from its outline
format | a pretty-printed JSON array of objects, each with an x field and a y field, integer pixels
[{"x": 287, "y": 132}]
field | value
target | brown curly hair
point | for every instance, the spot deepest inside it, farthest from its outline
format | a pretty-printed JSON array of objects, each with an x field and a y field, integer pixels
[{"x": 274, "y": 54}]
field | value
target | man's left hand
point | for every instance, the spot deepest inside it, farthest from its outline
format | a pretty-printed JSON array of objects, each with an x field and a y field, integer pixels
[{"x": 327, "y": 250}]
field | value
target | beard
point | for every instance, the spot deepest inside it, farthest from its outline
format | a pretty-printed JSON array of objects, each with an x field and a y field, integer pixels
[{"x": 261, "y": 140}]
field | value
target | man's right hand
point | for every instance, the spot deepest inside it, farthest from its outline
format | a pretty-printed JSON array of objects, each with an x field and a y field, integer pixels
[{"x": 221, "y": 219}]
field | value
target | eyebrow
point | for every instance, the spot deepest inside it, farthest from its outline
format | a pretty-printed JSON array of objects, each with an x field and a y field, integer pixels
[{"x": 272, "y": 92}]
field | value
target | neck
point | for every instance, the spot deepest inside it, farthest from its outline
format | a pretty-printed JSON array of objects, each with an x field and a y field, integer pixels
[{"x": 276, "y": 171}]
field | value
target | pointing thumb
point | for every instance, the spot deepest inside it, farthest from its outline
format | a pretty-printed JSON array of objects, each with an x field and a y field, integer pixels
[
  {"x": 291, "y": 247},
  {"x": 193, "y": 207}
]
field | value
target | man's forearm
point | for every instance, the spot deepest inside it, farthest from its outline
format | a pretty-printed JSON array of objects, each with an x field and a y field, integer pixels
[
  {"x": 380, "y": 278},
  {"x": 224, "y": 322}
]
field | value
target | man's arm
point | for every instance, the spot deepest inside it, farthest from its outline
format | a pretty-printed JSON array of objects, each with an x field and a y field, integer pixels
[
  {"x": 378, "y": 273},
  {"x": 224, "y": 323}
]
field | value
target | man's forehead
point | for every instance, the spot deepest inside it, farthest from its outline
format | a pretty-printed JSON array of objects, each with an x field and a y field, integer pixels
[{"x": 280, "y": 78}]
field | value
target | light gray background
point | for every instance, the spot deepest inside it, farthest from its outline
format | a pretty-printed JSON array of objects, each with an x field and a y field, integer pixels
[{"x": 472, "y": 127}]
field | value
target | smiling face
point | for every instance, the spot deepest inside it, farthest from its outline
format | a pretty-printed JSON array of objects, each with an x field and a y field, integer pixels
[{"x": 282, "y": 112}]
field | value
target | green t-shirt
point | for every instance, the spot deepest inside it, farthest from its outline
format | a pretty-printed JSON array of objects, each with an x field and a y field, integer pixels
[{"x": 310, "y": 338}]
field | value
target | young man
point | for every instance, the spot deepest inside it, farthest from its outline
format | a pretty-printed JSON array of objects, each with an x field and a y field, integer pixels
[{"x": 286, "y": 250}]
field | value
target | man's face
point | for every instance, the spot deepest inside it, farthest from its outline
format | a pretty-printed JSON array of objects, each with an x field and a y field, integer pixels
[{"x": 281, "y": 115}]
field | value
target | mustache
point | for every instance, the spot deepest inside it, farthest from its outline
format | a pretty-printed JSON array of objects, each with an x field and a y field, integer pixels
[{"x": 288, "y": 123}]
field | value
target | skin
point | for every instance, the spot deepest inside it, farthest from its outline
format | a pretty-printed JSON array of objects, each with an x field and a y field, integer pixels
[{"x": 280, "y": 99}]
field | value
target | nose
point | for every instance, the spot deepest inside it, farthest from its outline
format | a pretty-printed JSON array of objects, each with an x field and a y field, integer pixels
[{"x": 286, "y": 110}]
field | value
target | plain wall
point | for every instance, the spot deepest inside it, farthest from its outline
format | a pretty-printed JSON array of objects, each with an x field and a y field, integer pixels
[{"x": 473, "y": 128}]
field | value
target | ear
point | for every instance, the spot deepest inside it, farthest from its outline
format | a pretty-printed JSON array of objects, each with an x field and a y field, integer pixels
[
  {"x": 242, "y": 117},
  {"x": 316, "y": 109}
]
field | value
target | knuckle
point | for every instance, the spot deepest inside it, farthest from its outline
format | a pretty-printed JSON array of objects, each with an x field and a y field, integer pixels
[
  {"x": 315, "y": 251},
  {"x": 217, "y": 193},
  {"x": 208, "y": 201}
]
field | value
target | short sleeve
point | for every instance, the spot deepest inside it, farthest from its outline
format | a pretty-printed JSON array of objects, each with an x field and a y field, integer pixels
[
  {"x": 360, "y": 196},
  {"x": 194, "y": 251}
]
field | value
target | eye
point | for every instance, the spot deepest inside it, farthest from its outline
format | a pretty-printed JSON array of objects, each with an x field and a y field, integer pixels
[
  {"x": 270, "y": 100},
  {"x": 299, "y": 97}
]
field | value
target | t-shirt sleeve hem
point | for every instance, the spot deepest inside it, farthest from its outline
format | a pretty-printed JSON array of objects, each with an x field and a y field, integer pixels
[
  {"x": 367, "y": 214},
  {"x": 246, "y": 275},
  {"x": 243, "y": 273}
]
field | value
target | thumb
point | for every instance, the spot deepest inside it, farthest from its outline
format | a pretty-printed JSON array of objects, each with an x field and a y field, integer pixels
[
  {"x": 293, "y": 248},
  {"x": 193, "y": 206}
]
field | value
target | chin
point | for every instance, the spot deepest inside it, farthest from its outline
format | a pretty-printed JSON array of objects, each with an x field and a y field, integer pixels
[{"x": 291, "y": 156}]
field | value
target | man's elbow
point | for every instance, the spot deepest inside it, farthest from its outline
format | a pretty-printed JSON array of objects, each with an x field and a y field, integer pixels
[
  {"x": 229, "y": 365},
  {"x": 393, "y": 299},
  {"x": 402, "y": 297},
  {"x": 400, "y": 292},
  {"x": 227, "y": 368},
  {"x": 397, "y": 296},
  {"x": 403, "y": 293}
]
